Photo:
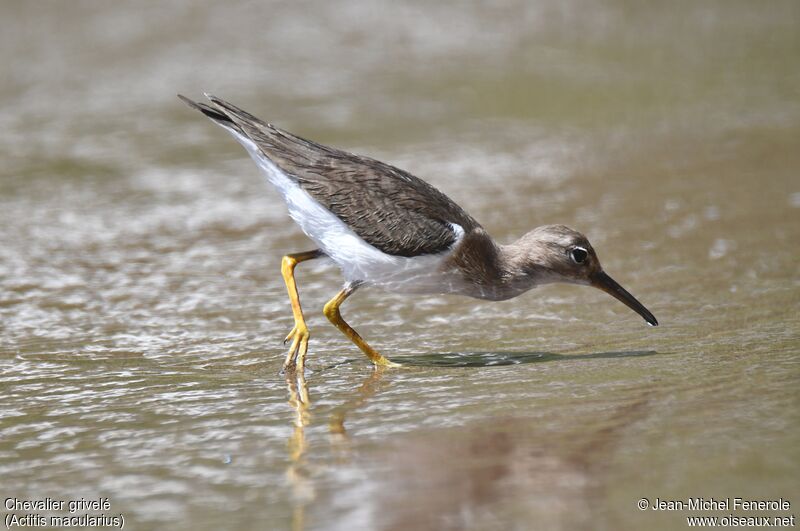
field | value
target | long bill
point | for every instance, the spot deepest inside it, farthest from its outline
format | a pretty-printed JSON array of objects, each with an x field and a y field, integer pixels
[{"x": 604, "y": 282}]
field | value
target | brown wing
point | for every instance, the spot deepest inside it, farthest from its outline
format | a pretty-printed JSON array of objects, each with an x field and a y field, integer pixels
[{"x": 387, "y": 207}]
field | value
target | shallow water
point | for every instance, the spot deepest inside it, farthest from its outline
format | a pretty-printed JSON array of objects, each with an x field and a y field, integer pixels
[{"x": 142, "y": 310}]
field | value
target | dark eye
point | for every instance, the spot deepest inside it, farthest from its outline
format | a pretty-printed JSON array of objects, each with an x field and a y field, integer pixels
[{"x": 579, "y": 255}]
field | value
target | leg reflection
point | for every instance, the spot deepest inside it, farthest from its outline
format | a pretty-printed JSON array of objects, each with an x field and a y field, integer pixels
[
  {"x": 297, "y": 473},
  {"x": 368, "y": 388}
]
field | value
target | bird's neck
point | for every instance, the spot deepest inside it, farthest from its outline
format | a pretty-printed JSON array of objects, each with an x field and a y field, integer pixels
[
  {"x": 519, "y": 272},
  {"x": 494, "y": 271}
]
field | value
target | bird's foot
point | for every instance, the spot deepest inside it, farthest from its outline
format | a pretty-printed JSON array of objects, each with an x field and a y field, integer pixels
[
  {"x": 296, "y": 357},
  {"x": 377, "y": 359},
  {"x": 299, "y": 329},
  {"x": 382, "y": 361}
]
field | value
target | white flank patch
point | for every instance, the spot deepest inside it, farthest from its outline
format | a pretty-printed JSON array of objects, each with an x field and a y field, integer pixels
[{"x": 358, "y": 260}]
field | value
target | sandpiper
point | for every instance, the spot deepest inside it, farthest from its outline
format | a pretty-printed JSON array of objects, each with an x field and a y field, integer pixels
[{"x": 387, "y": 228}]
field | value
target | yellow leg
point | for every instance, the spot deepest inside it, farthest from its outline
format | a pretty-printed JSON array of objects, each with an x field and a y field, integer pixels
[
  {"x": 331, "y": 311},
  {"x": 296, "y": 357}
]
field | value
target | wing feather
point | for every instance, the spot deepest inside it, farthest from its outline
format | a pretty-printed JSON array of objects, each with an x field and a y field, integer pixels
[{"x": 387, "y": 207}]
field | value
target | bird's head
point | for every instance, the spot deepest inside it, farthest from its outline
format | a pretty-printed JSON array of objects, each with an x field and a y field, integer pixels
[{"x": 555, "y": 253}]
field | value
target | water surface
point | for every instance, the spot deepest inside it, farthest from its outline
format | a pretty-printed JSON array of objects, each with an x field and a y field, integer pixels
[{"x": 142, "y": 310}]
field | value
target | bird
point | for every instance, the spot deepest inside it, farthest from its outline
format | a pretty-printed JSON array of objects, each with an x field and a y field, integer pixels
[{"x": 388, "y": 229}]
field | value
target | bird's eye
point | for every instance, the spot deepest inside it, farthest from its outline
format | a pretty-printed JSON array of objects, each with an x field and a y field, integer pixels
[{"x": 579, "y": 255}]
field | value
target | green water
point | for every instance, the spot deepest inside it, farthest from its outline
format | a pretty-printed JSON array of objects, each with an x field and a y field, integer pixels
[{"x": 142, "y": 310}]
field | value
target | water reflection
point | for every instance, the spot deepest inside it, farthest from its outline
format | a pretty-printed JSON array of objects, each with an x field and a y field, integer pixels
[
  {"x": 517, "y": 463},
  {"x": 298, "y": 473},
  {"x": 369, "y": 387},
  {"x": 467, "y": 477}
]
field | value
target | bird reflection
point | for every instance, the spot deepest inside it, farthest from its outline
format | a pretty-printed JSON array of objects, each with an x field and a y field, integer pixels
[{"x": 298, "y": 473}]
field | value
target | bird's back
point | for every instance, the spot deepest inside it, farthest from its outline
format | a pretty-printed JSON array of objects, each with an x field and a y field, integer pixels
[{"x": 390, "y": 209}]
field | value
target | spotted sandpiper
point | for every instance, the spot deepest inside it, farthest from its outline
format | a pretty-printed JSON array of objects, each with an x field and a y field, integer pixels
[{"x": 387, "y": 228}]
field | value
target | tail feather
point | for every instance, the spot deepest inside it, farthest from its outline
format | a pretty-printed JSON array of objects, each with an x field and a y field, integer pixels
[
  {"x": 273, "y": 140},
  {"x": 288, "y": 151},
  {"x": 217, "y": 115},
  {"x": 234, "y": 112}
]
